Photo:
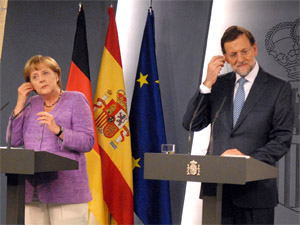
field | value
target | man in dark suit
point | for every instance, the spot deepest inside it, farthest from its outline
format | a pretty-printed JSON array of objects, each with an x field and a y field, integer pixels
[{"x": 255, "y": 118}]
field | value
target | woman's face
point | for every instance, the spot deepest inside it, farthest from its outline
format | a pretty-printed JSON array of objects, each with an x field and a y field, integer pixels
[{"x": 44, "y": 80}]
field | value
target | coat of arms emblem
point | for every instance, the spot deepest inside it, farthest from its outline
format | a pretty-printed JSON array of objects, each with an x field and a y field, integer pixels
[
  {"x": 111, "y": 117},
  {"x": 193, "y": 168}
]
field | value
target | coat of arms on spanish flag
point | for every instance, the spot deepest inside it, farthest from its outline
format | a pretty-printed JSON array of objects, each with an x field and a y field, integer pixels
[{"x": 112, "y": 119}]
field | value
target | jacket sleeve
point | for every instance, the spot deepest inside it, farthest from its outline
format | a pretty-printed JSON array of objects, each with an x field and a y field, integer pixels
[
  {"x": 198, "y": 110},
  {"x": 281, "y": 132},
  {"x": 14, "y": 130},
  {"x": 81, "y": 136}
]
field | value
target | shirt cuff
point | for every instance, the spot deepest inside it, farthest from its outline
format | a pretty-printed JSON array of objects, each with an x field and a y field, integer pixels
[{"x": 204, "y": 89}]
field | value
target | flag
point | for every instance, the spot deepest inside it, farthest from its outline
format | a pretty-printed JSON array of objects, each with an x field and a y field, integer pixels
[
  {"x": 151, "y": 198},
  {"x": 112, "y": 122},
  {"x": 79, "y": 80}
]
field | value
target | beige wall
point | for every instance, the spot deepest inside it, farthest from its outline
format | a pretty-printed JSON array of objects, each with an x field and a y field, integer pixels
[{"x": 3, "y": 10}]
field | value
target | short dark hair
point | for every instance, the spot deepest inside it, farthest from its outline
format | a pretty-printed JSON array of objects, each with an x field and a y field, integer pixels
[{"x": 233, "y": 33}]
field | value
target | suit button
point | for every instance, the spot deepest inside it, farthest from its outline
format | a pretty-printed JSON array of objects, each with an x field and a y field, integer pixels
[
  {"x": 39, "y": 139},
  {"x": 232, "y": 135}
]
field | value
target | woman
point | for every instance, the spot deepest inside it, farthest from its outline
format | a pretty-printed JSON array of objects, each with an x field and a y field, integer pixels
[{"x": 59, "y": 122}]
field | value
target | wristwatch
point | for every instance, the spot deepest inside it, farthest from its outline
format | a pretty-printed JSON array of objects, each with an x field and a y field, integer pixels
[{"x": 60, "y": 131}]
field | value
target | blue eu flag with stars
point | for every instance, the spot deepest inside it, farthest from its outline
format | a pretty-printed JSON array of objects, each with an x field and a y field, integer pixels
[{"x": 151, "y": 197}]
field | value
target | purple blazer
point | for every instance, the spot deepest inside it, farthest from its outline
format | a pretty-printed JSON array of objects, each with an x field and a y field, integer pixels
[{"x": 73, "y": 113}]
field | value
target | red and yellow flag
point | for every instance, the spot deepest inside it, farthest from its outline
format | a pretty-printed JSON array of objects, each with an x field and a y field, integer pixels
[
  {"x": 79, "y": 80},
  {"x": 111, "y": 118}
]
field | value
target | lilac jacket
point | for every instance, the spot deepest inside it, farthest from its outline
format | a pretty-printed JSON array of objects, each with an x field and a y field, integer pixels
[{"x": 73, "y": 113}]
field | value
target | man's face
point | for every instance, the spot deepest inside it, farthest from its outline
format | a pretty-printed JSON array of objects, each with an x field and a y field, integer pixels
[{"x": 240, "y": 55}]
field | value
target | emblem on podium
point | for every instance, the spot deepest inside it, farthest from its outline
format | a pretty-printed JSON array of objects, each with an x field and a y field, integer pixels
[{"x": 193, "y": 168}]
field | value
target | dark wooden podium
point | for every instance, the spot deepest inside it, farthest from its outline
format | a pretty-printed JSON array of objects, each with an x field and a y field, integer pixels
[
  {"x": 16, "y": 163},
  {"x": 207, "y": 169}
]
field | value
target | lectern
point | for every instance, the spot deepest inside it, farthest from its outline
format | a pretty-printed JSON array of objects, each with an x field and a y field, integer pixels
[
  {"x": 208, "y": 169},
  {"x": 16, "y": 163}
]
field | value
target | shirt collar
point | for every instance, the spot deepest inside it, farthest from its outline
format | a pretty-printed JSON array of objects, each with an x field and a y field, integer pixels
[{"x": 251, "y": 76}]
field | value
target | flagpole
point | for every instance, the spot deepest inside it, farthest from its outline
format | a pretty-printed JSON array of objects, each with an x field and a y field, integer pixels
[
  {"x": 150, "y": 7},
  {"x": 80, "y": 6},
  {"x": 109, "y": 214}
]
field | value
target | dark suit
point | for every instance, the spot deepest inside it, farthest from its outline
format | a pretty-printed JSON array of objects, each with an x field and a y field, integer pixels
[{"x": 263, "y": 130}]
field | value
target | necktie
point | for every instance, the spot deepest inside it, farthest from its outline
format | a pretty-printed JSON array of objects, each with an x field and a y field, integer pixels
[{"x": 239, "y": 100}]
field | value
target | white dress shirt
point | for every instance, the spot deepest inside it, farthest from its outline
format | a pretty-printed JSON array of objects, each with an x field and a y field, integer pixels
[{"x": 247, "y": 86}]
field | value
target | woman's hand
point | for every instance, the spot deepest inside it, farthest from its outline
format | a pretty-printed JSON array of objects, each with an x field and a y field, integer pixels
[
  {"x": 23, "y": 93},
  {"x": 48, "y": 119}
]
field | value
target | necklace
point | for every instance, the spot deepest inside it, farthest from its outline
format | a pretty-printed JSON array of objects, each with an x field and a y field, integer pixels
[{"x": 49, "y": 106}]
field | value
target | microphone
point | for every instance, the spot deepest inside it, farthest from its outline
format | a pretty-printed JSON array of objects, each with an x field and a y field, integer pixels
[
  {"x": 3, "y": 107},
  {"x": 211, "y": 138},
  {"x": 11, "y": 123},
  {"x": 191, "y": 133}
]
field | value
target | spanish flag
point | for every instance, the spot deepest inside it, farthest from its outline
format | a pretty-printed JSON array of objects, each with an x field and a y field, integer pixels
[
  {"x": 111, "y": 118},
  {"x": 79, "y": 80}
]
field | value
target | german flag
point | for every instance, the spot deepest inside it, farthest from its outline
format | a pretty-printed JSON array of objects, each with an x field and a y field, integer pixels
[{"x": 79, "y": 80}]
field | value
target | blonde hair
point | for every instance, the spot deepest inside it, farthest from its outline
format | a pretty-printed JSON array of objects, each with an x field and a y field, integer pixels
[{"x": 34, "y": 62}]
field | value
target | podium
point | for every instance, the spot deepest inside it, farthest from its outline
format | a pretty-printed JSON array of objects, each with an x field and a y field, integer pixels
[
  {"x": 208, "y": 169},
  {"x": 16, "y": 163}
]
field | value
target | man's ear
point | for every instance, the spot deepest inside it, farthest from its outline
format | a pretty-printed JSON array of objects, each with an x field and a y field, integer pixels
[
  {"x": 226, "y": 58},
  {"x": 255, "y": 49}
]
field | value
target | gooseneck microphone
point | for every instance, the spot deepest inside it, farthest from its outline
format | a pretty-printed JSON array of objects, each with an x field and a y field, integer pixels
[
  {"x": 11, "y": 123},
  {"x": 191, "y": 133},
  {"x": 211, "y": 138},
  {"x": 4, "y": 106}
]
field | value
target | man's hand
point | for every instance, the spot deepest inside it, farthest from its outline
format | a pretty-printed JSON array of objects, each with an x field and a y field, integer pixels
[
  {"x": 213, "y": 69},
  {"x": 232, "y": 152}
]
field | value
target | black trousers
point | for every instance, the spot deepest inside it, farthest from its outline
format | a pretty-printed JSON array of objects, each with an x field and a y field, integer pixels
[
  {"x": 232, "y": 214},
  {"x": 238, "y": 215}
]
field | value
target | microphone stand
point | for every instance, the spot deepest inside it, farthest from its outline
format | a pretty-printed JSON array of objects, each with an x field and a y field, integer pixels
[
  {"x": 4, "y": 106},
  {"x": 211, "y": 138},
  {"x": 191, "y": 133},
  {"x": 11, "y": 123}
]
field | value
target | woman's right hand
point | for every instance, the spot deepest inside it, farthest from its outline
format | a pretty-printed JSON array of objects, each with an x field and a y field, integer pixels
[{"x": 23, "y": 93}]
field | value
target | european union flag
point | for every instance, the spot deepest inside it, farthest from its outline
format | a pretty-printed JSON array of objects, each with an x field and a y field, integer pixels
[{"x": 151, "y": 197}]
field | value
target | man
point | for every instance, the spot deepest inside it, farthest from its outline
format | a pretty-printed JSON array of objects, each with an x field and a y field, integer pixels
[{"x": 253, "y": 113}]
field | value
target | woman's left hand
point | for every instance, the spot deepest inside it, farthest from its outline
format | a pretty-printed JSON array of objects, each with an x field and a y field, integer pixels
[{"x": 48, "y": 119}]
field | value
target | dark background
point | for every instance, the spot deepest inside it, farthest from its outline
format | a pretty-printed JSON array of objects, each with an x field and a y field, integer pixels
[{"x": 48, "y": 28}]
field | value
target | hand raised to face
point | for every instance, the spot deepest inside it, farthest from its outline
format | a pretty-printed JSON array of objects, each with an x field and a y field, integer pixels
[{"x": 214, "y": 67}]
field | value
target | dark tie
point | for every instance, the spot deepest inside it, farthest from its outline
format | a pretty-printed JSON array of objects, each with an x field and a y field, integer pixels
[{"x": 239, "y": 100}]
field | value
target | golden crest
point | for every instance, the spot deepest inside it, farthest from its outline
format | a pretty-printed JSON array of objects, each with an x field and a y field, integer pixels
[
  {"x": 121, "y": 99},
  {"x": 193, "y": 168}
]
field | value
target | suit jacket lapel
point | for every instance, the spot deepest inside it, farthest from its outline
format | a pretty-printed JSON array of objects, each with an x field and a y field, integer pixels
[{"x": 254, "y": 96}]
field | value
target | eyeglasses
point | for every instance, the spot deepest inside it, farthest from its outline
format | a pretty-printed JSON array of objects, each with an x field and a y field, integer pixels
[{"x": 244, "y": 52}]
